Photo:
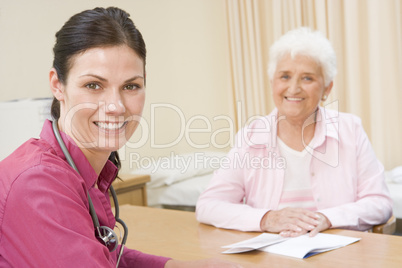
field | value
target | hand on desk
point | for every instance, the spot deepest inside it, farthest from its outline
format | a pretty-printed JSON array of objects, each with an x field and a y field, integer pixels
[
  {"x": 292, "y": 222},
  {"x": 206, "y": 263}
]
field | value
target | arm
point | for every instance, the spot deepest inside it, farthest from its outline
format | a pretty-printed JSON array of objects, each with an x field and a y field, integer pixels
[
  {"x": 222, "y": 204},
  {"x": 373, "y": 204},
  {"x": 46, "y": 222},
  {"x": 134, "y": 258},
  {"x": 211, "y": 263}
]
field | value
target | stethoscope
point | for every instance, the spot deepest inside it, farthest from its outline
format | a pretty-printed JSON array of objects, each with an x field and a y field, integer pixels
[{"x": 104, "y": 234}]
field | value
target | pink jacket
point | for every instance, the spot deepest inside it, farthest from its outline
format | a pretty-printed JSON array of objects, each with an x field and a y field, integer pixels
[
  {"x": 347, "y": 179},
  {"x": 44, "y": 213}
]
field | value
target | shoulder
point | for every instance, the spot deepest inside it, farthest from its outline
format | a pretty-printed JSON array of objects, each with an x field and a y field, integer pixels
[
  {"x": 346, "y": 128},
  {"x": 261, "y": 131},
  {"x": 340, "y": 120},
  {"x": 264, "y": 122},
  {"x": 35, "y": 170},
  {"x": 347, "y": 118},
  {"x": 330, "y": 114},
  {"x": 33, "y": 156}
]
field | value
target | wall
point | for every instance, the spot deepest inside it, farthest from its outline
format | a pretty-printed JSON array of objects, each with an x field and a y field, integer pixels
[{"x": 187, "y": 67}]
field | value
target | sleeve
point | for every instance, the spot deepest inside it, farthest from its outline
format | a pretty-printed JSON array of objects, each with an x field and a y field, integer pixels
[
  {"x": 222, "y": 205},
  {"x": 134, "y": 258},
  {"x": 46, "y": 224},
  {"x": 373, "y": 204}
]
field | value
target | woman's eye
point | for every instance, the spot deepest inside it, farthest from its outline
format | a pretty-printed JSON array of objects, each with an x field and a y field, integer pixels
[
  {"x": 285, "y": 76},
  {"x": 307, "y": 78},
  {"x": 92, "y": 86},
  {"x": 131, "y": 87}
]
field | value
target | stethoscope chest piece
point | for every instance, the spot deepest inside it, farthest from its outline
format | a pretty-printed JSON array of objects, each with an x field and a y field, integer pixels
[{"x": 107, "y": 237}]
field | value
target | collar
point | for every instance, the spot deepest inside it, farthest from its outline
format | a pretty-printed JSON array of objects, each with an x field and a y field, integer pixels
[
  {"x": 263, "y": 131},
  {"x": 327, "y": 126},
  {"x": 88, "y": 174}
]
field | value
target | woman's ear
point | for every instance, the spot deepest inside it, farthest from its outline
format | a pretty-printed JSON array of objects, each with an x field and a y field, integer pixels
[
  {"x": 328, "y": 89},
  {"x": 56, "y": 86}
]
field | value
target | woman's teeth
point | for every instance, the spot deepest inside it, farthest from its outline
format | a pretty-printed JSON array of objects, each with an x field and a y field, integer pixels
[
  {"x": 294, "y": 99},
  {"x": 110, "y": 126}
]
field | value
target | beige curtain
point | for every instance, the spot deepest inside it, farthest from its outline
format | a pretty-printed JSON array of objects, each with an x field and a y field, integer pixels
[{"x": 367, "y": 37}]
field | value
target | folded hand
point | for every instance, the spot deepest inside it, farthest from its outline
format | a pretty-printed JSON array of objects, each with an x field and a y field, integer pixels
[{"x": 291, "y": 222}]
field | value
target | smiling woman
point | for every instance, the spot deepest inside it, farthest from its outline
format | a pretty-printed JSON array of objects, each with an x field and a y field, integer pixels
[
  {"x": 298, "y": 88},
  {"x": 331, "y": 176},
  {"x": 101, "y": 100},
  {"x": 54, "y": 202}
]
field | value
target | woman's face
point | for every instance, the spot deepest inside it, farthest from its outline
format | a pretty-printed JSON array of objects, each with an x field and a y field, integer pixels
[
  {"x": 103, "y": 97},
  {"x": 298, "y": 86}
]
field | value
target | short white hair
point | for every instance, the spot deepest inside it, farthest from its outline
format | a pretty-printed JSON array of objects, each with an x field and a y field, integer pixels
[{"x": 304, "y": 41}]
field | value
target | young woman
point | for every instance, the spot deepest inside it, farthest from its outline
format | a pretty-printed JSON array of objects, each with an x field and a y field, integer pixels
[{"x": 98, "y": 83}]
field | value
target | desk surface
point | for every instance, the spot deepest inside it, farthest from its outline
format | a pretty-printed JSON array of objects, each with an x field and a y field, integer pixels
[
  {"x": 178, "y": 235},
  {"x": 128, "y": 180}
]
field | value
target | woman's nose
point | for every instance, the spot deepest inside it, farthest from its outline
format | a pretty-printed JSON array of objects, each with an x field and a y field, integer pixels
[
  {"x": 115, "y": 105},
  {"x": 294, "y": 86}
]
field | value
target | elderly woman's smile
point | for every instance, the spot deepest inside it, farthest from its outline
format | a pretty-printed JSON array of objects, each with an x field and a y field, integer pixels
[{"x": 298, "y": 86}]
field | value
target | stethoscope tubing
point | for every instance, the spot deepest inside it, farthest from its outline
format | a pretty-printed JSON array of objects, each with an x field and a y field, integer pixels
[{"x": 94, "y": 217}]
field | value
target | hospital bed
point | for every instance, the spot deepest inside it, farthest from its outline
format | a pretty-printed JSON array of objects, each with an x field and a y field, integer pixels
[{"x": 178, "y": 180}]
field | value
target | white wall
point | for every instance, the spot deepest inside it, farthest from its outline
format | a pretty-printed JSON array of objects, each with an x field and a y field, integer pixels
[{"x": 187, "y": 65}]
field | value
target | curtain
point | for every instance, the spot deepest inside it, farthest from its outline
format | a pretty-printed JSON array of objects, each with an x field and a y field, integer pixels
[{"x": 367, "y": 38}]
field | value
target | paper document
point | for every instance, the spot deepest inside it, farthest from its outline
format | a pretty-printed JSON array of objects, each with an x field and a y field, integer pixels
[
  {"x": 298, "y": 247},
  {"x": 258, "y": 242}
]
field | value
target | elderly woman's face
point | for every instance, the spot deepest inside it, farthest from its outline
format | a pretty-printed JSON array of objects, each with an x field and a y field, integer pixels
[{"x": 298, "y": 86}]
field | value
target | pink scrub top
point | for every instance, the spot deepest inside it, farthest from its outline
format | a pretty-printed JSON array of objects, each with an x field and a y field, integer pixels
[{"x": 44, "y": 212}]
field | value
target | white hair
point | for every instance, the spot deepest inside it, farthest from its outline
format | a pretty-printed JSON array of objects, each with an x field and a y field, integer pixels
[{"x": 304, "y": 41}]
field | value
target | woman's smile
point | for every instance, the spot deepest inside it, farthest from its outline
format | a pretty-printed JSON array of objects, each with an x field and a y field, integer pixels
[
  {"x": 111, "y": 126},
  {"x": 293, "y": 99},
  {"x": 298, "y": 87}
]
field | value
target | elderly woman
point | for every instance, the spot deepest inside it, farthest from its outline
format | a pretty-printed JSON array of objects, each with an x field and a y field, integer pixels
[{"x": 302, "y": 168}]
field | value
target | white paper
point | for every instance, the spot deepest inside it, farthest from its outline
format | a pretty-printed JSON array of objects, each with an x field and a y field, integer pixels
[
  {"x": 257, "y": 242},
  {"x": 298, "y": 247}
]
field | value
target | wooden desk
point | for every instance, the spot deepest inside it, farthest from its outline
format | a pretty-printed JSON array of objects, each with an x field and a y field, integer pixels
[
  {"x": 131, "y": 189},
  {"x": 178, "y": 235}
]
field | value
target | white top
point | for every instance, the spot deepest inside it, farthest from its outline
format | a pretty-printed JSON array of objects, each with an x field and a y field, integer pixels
[{"x": 296, "y": 190}]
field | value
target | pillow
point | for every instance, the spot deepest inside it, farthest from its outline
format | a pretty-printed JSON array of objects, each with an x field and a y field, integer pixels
[{"x": 394, "y": 175}]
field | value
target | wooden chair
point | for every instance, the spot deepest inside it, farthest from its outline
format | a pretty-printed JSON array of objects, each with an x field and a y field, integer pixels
[{"x": 387, "y": 228}]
